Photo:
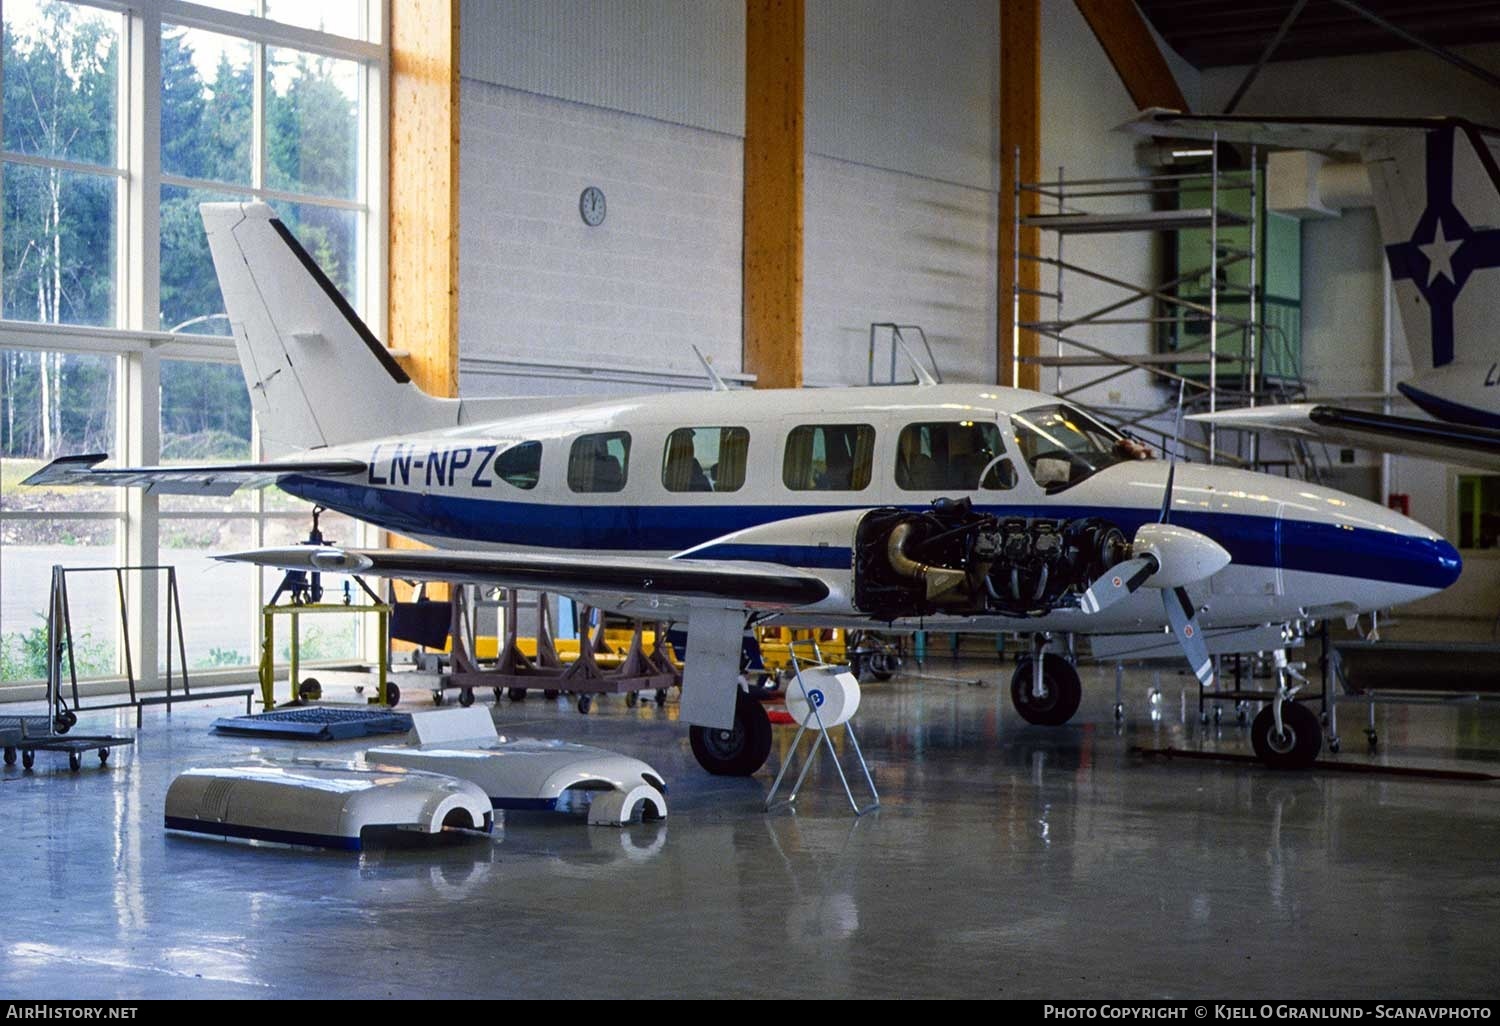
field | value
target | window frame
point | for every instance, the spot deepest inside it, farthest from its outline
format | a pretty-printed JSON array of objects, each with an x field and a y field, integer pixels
[{"x": 624, "y": 465}]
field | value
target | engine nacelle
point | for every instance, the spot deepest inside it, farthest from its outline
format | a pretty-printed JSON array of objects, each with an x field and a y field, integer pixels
[{"x": 952, "y": 559}]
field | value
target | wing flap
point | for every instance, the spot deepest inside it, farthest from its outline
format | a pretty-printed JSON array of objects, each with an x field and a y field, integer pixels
[{"x": 188, "y": 479}]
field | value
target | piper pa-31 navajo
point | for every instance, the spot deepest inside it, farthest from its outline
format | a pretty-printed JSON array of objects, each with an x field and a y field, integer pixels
[
  {"x": 1435, "y": 186},
  {"x": 949, "y": 507}
]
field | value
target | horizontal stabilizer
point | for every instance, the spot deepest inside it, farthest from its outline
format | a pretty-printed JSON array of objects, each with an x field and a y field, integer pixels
[
  {"x": 1379, "y": 432},
  {"x": 188, "y": 479}
]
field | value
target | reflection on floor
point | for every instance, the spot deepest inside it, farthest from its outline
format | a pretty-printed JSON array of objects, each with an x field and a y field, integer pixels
[{"x": 1008, "y": 860}]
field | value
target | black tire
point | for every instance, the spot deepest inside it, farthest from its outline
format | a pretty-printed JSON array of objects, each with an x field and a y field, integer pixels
[
  {"x": 310, "y": 690},
  {"x": 466, "y": 697},
  {"x": 10, "y": 757},
  {"x": 1064, "y": 692},
  {"x": 499, "y": 694},
  {"x": 437, "y": 698},
  {"x": 632, "y": 699},
  {"x": 28, "y": 759},
  {"x": 75, "y": 761},
  {"x": 1300, "y": 744},
  {"x": 585, "y": 703},
  {"x": 738, "y": 752},
  {"x": 551, "y": 694},
  {"x": 103, "y": 756},
  {"x": 392, "y": 695},
  {"x": 64, "y": 721},
  {"x": 661, "y": 696},
  {"x": 516, "y": 694}
]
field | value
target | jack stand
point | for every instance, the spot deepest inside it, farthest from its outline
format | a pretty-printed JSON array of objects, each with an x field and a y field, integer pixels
[
  {"x": 814, "y": 699},
  {"x": 306, "y": 588}
]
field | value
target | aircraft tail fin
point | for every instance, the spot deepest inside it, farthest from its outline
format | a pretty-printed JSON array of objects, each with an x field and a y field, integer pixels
[{"x": 316, "y": 374}]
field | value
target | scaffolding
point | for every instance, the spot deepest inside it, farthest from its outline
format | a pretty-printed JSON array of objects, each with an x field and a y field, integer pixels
[{"x": 1222, "y": 369}]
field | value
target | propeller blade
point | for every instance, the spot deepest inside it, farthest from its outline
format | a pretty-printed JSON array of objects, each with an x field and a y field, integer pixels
[
  {"x": 1118, "y": 581},
  {"x": 1184, "y": 620},
  {"x": 1166, "y": 495}
]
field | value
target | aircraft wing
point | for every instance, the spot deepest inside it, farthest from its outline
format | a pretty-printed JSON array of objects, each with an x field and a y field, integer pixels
[
  {"x": 647, "y": 586},
  {"x": 194, "y": 479},
  {"x": 1348, "y": 135},
  {"x": 1408, "y": 436}
]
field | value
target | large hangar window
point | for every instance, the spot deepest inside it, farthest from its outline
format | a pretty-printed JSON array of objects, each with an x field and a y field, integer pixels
[
  {"x": 963, "y": 456},
  {"x": 256, "y": 100}
]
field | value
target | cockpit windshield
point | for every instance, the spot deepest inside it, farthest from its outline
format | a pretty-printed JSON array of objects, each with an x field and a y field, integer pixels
[{"x": 1063, "y": 445}]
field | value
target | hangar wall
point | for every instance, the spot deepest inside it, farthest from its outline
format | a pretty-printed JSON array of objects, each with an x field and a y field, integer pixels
[
  {"x": 901, "y": 186},
  {"x": 1343, "y": 266}
]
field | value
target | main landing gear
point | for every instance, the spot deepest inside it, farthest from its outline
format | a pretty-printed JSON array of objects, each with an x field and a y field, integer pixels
[
  {"x": 738, "y": 752},
  {"x": 1045, "y": 688}
]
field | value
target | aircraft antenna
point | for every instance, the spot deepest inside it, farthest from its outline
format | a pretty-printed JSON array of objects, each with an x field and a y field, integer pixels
[
  {"x": 715, "y": 383},
  {"x": 924, "y": 376}
]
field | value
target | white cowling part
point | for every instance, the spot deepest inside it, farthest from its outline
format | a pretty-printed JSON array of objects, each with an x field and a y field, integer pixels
[{"x": 1183, "y": 556}]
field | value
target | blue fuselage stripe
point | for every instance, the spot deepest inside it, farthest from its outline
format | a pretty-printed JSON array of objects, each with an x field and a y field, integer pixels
[{"x": 1310, "y": 546}]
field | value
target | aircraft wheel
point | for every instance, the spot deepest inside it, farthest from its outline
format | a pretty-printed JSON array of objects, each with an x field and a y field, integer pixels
[
  {"x": 738, "y": 752},
  {"x": 1064, "y": 692},
  {"x": 1299, "y": 743},
  {"x": 466, "y": 697}
]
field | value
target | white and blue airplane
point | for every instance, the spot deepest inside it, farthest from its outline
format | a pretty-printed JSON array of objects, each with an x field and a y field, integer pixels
[
  {"x": 1435, "y": 186},
  {"x": 947, "y": 507}
]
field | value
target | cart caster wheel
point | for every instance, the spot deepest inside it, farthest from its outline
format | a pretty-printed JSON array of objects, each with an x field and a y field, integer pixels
[
  {"x": 75, "y": 761},
  {"x": 585, "y": 703},
  {"x": 28, "y": 760},
  {"x": 1203, "y": 718},
  {"x": 1373, "y": 738},
  {"x": 1119, "y": 713},
  {"x": 437, "y": 698},
  {"x": 10, "y": 757},
  {"x": 519, "y": 694},
  {"x": 499, "y": 694},
  {"x": 632, "y": 699},
  {"x": 65, "y": 721},
  {"x": 661, "y": 696},
  {"x": 1242, "y": 716},
  {"x": 103, "y": 756},
  {"x": 1218, "y": 714},
  {"x": 466, "y": 697},
  {"x": 1333, "y": 745},
  {"x": 551, "y": 694},
  {"x": 392, "y": 695},
  {"x": 310, "y": 690}
]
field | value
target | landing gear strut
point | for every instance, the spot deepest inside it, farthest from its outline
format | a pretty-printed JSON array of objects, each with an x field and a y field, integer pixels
[
  {"x": 1050, "y": 697},
  {"x": 738, "y": 752},
  {"x": 1286, "y": 735}
]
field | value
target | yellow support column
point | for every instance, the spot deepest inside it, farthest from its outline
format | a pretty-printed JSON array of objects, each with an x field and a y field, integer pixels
[
  {"x": 1020, "y": 133},
  {"x": 774, "y": 42}
]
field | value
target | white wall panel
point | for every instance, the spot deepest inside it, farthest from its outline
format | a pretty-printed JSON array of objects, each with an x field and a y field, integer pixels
[
  {"x": 886, "y": 246},
  {"x": 681, "y": 61},
  {"x": 906, "y": 85},
  {"x": 661, "y": 272}
]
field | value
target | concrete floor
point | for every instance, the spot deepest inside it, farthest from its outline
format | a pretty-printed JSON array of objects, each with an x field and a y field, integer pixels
[{"x": 1006, "y": 861}]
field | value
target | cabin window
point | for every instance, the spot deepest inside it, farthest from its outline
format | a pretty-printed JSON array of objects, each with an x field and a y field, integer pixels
[
  {"x": 828, "y": 457},
  {"x": 599, "y": 463},
  {"x": 520, "y": 465},
  {"x": 710, "y": 459},
  {"x": 962, "y": 456}
]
